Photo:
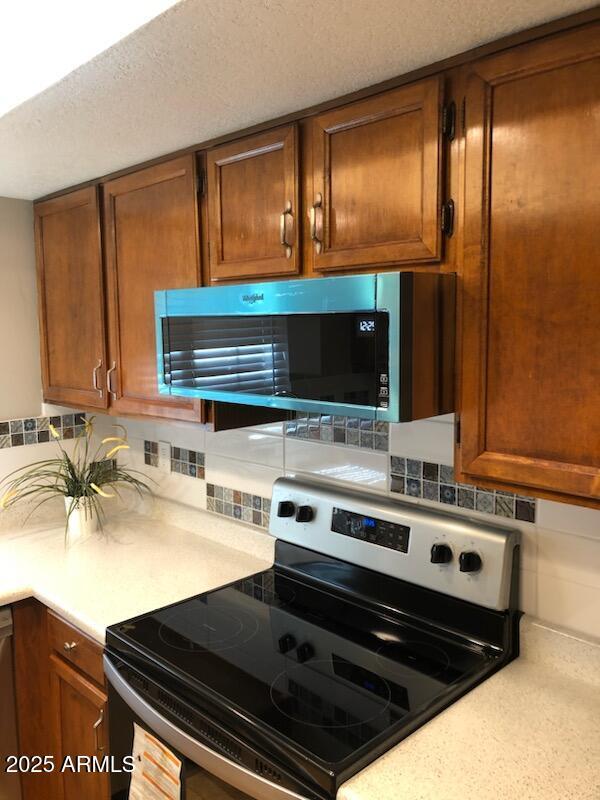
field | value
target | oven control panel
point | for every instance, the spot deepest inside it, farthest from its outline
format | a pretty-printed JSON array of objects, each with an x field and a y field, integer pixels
[
  {"x": 456, "y": 555},
  {"x": 370, "y": 529}
]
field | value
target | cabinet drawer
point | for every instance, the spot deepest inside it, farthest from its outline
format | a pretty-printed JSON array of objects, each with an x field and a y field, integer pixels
[{"x": 75, "y": 647}]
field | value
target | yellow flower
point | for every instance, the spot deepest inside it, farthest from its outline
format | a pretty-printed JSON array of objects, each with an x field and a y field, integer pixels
[
  {"x": 100, "y": 491},
  {"x": 113, "y": 439},
  {"x": 7, "y": 497},
  {"x": 116, "y": 449},
  {"x": 54, "y": 432}
]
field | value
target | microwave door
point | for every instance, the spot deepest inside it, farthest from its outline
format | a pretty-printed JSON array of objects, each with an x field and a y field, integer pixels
[{"x": 337, "y": 358}]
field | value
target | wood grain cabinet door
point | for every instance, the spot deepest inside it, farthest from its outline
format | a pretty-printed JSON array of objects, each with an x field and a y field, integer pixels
[
  {"x": 253, "y": 229},
  {"x": 151, "y": 242},
  {"x": 531, "y": 294},
  {"x": 71, "y": 299},
  {"x": 376, "y": 180},
  {"x": 80, "y": 719}
]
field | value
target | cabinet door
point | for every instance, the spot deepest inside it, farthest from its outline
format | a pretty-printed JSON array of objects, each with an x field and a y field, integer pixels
[
  {"x": 376, "y": 180},
  {"x": 80, "y": 710},
  {"x": 152, "y": 242},
  {"x": 71, "y": 299},
  {"x": 253, "y": 226},
  {"x": 531, "y": 301}
]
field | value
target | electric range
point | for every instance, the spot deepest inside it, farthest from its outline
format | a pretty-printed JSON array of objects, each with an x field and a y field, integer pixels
[{"x": 376, "y": 615}]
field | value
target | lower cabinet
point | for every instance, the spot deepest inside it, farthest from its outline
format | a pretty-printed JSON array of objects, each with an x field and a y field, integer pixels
[
  {"x": 79, "y": 710},
  {"x": 61, "y": 705}
]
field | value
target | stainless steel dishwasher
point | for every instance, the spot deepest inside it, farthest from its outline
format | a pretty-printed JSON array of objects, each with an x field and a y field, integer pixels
[{"x": 10, "y": 784}]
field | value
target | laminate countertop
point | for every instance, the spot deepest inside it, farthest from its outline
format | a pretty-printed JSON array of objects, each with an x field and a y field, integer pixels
[{"x": 530, "y": 732}]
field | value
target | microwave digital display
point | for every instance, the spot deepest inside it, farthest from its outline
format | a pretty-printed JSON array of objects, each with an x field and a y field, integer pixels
[{"x": 366, "y": 326}]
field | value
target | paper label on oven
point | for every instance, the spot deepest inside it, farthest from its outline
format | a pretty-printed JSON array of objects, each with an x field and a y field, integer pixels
[{"x": 156, "y": 770}]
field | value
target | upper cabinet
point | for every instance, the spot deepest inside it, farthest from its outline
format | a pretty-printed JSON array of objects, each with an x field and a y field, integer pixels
[
  {"x": 151, "y": 240},
  {"x": 71, "y": 299},
  {"x": 375, "y": 177},
  {"x": 253, "y": 229},
  {"x": 531, "y": 304}
]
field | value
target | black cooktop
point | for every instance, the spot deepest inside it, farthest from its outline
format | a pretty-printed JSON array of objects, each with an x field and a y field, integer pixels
[{"x": 312, "y": 656}]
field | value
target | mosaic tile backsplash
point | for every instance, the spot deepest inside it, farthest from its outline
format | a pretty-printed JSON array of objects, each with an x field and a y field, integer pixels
[
  {"x": 239, "y": 505},
  {"x": 184, "y": 462},
  {"x": 36, "y": 430},
  {"x": 408, "y": 476},
  {"x": 414, "y": 478},
  {"x": 352, "y": 431}
]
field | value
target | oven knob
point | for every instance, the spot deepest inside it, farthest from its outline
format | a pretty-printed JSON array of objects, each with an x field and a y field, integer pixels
[
  {"x": 304, "y": 652},
  {"x": 304, "y": 514},
  {"x": 469, "y": 562},
  {"x": 286, "y": 643},
  {"x": 441, "y": 554},
  {"x": 286, "y": 509}
]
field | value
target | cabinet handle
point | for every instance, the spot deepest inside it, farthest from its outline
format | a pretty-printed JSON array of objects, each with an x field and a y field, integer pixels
[
  {"x": 109, "y": 375},
  {"x": 95, "y": 377},
  {"x": 99, "y": 721},
  {"x": 316, "y": 222},
  {"x": 68, "y": 647},
  {"x": 283, "y": 229}
]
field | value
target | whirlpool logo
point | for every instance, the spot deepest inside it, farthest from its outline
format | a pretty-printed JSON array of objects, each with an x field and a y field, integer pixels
[{"x": 253, "y": 298}]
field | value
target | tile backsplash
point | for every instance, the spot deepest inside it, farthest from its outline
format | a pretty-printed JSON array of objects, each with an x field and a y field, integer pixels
[
  {"x": 351, "y": 431},
  {"x": 240, "y": 505},
  {"x": 36, "y": 430},
  {"x": 435, "y": 482},
  {"x": 560, "y": 565}
]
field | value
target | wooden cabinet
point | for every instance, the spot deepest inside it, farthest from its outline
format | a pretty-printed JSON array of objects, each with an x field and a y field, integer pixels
[
  {"x": 61, "y": 703},
  {"x": 151, "y": 241},
  {"x": 253, "y": 229},
  {"x": 375, "y": 176},
  {"x": 80, "y": 729},
  {"x": 71, "y": 299},
  {"x": 530, "y": 392}
]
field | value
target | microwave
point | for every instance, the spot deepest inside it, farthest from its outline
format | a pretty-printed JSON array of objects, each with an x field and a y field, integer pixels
[{"x": 377, "y": 346}]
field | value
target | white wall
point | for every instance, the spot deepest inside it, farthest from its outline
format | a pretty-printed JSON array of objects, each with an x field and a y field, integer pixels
[
  {"x": 560, "y": 565},
  {"x": 20, "y": 380}
]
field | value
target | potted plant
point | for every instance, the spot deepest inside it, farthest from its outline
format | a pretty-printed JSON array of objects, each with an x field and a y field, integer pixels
[{"x": 81, "y": 478}]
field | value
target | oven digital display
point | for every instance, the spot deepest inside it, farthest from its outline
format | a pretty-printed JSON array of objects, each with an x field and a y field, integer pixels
[{"x": 370, "y": 529}]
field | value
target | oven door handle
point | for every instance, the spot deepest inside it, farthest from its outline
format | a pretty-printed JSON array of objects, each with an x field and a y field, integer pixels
[{"x": 233, "y": 774}]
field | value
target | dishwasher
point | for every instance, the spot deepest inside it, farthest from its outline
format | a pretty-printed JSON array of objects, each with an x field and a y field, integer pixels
[{"x": 10, "y": 784}]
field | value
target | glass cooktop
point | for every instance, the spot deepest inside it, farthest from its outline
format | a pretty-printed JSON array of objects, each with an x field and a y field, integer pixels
[{"x": 325, "y": 670}]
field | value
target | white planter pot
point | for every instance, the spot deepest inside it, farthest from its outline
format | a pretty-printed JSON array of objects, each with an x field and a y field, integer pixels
[{"x": 82, "y": 521}]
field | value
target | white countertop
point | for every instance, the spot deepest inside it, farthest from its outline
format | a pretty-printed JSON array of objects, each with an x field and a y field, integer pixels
[
  {"x": 530, "y": 732},
  {"x": 138, "y": 565}
]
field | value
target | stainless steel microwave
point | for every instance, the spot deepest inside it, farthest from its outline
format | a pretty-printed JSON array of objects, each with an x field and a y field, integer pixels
[{"x": 375, "y": 346}]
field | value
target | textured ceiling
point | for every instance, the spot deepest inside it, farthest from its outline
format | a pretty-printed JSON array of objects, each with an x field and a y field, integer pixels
[{"x": 207, "y": 67}]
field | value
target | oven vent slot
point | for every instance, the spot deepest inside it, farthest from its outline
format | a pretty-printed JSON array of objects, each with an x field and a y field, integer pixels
[
  {"x": 224, "y": 744},
  {"x": 138, "y": 681},
  {"x": 266, "y": 771},
  {"x": 174, "y": 707}
]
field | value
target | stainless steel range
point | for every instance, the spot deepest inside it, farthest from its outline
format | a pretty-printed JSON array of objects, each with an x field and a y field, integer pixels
[{"x": 375, "y": 617}]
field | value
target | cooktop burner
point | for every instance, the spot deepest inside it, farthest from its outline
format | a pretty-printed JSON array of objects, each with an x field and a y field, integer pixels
[
  {"x": 290, "y": 696},
  {"x": 206, "y": 628}
]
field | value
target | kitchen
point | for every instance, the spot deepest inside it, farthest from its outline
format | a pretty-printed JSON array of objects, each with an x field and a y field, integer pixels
[{"x": 300, "y": 408}]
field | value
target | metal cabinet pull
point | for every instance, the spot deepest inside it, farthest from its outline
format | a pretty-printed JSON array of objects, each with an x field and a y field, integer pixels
[
  {"x": 99, "y": 721},
  {"x": 316, "y": 222},
  {"x": 283, "y": 229},
  {"x": 95, "y": 378},
  {"x": 68, "y": 647},
  {"x": 109, "y": 375}
]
